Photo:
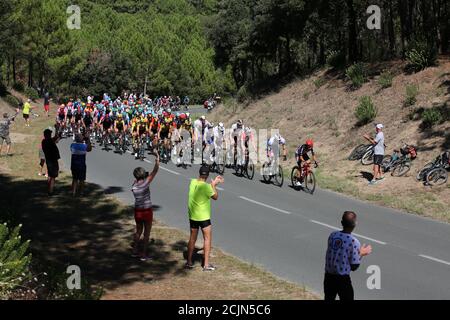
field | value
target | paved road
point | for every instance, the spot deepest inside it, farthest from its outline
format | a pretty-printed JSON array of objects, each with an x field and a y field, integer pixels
[{"x": 286, "y": 231}]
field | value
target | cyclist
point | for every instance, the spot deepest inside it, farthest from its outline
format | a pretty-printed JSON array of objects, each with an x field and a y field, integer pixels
[
  {"x": 87, "y": 121},
  {"x": 107, "y": 123},
  {"x": 235, "y": 132},
  {"x": 120, "y": 128},
  {"x": 61, "y": 117},
  {"x": 246, "y": 137},
  {"x": 142, "y": 129},
  {"x": 301, "y": 156},
  {"x": 164, "y": 132},
  {"x": 273, "y": 146}
]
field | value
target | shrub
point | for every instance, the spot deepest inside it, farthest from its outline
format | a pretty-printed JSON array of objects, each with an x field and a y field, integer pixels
[
  {"x": 357, "y": 74},
  {"x": 366, "y": 110},
  {"x": 57, "y": 285},
  {"x": 385, "y": 80},
  {"x": 431, "y": 117},
  {"x": 335, "y": 59},
  {"x": 411, "y": 95},
  {"x": 243, "y": 93},
  {"x": 319, "y": 82},
  {"x": 421, "y": 55},
  {"x": 31, "y": 93},
  {"x": 3, "y": 90},
  {"x": 14, "y": 262},
  {"x": 19, "y": 86},
  {"x": 12, "y": 101}
]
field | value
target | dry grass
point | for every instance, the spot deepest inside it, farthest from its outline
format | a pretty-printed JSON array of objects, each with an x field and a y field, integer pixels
[{"x": 95, "y": 233}]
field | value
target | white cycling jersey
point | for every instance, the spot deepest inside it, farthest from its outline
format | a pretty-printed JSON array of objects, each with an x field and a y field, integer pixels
[{"x": 272, "y": 140}]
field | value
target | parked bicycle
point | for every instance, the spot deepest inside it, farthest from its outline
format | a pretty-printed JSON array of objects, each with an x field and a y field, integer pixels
[
  {"x": 358, "y": 152},
  {"x": 400, "y": 162},
  {"x": 440, "y": 161}
]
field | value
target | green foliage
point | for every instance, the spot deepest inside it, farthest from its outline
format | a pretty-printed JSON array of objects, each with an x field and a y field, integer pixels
[
  {"x": 411, "y": 95},
  {"x": 12, "y": 101},
  {"x": 31, "y": 93},
  {"x": 431, "y": 117},
  {"x": 357, "y": 74},
  {"x": 421, "y": 55},
  {"x": 14, "y": 262},
  {"x": 319, "y": 82},
  {"x": 19, "y": 86},
  {"x": 385, "y": 80},
  {"x": 366, "y": 110},
  {"x": 243, "y": 93},
  {"x": 335, "y": 59}
]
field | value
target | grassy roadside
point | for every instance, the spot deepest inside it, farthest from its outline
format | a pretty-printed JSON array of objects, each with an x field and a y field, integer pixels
[{"x": 94, "y": 233}]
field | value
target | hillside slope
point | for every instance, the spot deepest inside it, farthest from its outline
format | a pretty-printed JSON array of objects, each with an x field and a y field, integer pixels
[{"x": 326, "y": 113}]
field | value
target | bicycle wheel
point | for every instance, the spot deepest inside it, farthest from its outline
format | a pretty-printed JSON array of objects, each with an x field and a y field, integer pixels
[
  {"x": 279, "y": 177},
  {"x": 367, "y": 158},
  {"x": 421, "y": 175},
  {"x": 295, "y": 172},
  {"x": 250, "y": 171},
  {"x": 265, "y": 172},
  {"x": 310, "y": 183},
  {"x": 437, "y": 177},
  {"x": 386, "y": 164},
  {"x": 356, "y": 152},
  {"x": 401, "y": 169}
]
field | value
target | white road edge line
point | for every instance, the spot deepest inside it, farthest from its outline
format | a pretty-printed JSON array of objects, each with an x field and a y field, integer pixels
[
  {"x": 264, "y": 205},
  {"x": 356, "y": 234},
  {"x": 219, "y": 188},
  {"x": 434, "y": 259}
]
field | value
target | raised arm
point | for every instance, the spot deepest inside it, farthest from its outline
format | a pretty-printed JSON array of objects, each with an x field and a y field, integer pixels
[{"x": 152, "y": 175}]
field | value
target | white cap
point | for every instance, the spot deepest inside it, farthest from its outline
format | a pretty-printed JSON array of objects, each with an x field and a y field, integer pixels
[
  {"x": 380, "y": 126},
  {"x": 221, "y": 125},
  {"x": 203, "y": 118}
]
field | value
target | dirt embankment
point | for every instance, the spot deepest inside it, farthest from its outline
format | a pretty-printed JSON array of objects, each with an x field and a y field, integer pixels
[{"x": 322, "y": 107}]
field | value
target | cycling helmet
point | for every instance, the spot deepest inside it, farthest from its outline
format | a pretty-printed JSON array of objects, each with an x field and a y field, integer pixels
[
  {"x": 169, "y": 111},
  {"x": 188, "y": 114},
  {"x": 310, "y": 143},
  {"x": 120, "y": 115},
  {"x": 203, "y": 118}
]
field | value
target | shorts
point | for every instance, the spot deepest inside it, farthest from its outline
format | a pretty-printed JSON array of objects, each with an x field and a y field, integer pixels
[
  {"x": 53, "y": 169},
  {"x": 6, "y": 139},
  {"x": 79, "y": 173},
  {"x": 199, "y": 224},
  {"x": 61, "y": 117},
  {"x": 378, "y": 159},
  {"x": 46, "y": 107},
  {"x": 164, "y": 135},
  {"x": 143, "y": 215},
  {"x": 41, "y": 154},
  {"x": 26, "y": 116}
]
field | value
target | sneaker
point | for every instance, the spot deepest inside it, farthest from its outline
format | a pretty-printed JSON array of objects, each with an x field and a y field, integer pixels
[
  {"x": 189, "y": 266},
  {"x": 143, "y": 259},
  {"x": 371, "y": 183},
  {"x": 39, "y": 174},
  {"x": 298, "y": 184},
  {"x": 379, "y": 179},
  {"x": 209, "y": 268}
]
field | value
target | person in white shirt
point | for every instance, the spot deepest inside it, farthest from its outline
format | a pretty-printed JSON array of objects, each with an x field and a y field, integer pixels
[{"x": 378, "y": 142}]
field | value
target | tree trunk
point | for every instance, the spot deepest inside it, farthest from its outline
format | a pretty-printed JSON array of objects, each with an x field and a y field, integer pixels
[
  {"x": 352, "y": 32},
  {"x": 30, "y": 72},
  {"x": 391, "y": 31}
]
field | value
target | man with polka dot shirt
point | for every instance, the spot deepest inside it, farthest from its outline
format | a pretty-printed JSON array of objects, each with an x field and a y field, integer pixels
[{"x": 343, "y": 256}]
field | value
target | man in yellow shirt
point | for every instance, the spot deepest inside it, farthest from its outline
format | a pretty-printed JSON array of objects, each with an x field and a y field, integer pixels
[
  {"x": 199, "y": 208},
  {"x": 26, "y": 112}
]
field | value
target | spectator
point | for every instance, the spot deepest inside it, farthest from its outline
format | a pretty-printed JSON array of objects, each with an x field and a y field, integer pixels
[
  {"x": 41, "y": 161},
  {"x": 143, "y": 209},
  {"x": 378, "y": 142},
  {"x": 79, "y": 148},
  {"x": 344, "y": 255},
  {"x": 26, "y": 112},
  {"x": 52, "y": 156},
  {"x": 5, "y": 123},
  {"x": 47, "y": 103},
  {"x": 199, "y": 209}
]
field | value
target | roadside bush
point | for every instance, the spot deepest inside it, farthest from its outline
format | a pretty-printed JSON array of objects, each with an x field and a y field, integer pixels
[
  {"x": 411, "y": 95},
  {"x": 12, "y": 101},
  {"x": 421, "y": 55},
  {"x": 366, "y": 110},
  {"x": 335, "y": 59},
  {"x": 243, "y": 93},
  {"x": 19, "y": 86},
  {"x": 431, "y": 117},
  {"x": 14, "y": 262},
  {"x": 31, "y": 93},
  {"x": 3, "y": 90},
  {"x": 357, "y": 74},
  {"x": 58, "y": 290},
  {"x": 385, "y": 80},
  {"x": 319, "y": 82}
]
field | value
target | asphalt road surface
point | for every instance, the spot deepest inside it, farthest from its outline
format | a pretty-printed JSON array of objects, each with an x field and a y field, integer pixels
[{"x": 285, "y": 231}]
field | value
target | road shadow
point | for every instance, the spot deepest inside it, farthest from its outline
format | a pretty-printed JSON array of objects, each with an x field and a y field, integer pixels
[
  {"x": 113, "y": 190},
  {"x": 92, "y": 232}
]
